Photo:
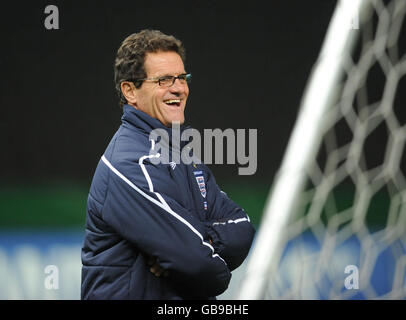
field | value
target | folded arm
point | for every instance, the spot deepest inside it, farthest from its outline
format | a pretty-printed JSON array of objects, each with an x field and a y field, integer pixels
[
  {"x": 228, "y": 226},
  {"x": 138, "y": 208}
]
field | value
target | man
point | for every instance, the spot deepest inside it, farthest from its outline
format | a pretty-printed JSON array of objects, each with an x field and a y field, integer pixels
[{"x": 157, "y": 231}]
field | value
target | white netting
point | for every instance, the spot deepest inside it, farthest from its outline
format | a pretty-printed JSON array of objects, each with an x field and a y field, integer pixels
[{"x": 347, "y": 238}]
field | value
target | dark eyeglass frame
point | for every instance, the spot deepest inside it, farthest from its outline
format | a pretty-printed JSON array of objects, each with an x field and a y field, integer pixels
[{"x": 187, "y": 77}]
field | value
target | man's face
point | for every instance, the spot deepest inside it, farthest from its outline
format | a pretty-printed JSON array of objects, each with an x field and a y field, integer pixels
[{"x": 153, "y": 99}]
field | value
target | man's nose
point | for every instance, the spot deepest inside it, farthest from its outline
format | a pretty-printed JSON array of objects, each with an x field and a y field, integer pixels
[{"x": 178, "y": 86}]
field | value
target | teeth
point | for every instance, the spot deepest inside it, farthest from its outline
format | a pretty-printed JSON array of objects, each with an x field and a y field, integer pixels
[{"x": 172, "y": 101}]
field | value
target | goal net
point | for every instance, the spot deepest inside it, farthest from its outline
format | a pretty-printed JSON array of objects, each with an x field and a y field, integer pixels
[{"x": 334, "y": 225}]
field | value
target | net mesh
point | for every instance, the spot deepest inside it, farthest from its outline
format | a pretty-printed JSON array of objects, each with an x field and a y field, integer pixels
[{"x": 346, "y": 239}]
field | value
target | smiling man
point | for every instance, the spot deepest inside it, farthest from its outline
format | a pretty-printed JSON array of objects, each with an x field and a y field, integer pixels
[
  {"x": 165, "y": 102},
  {"x": 156, "y": 231}
]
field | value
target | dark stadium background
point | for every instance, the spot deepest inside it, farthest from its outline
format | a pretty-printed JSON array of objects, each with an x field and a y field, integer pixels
[{"x": 250, "y": 61}]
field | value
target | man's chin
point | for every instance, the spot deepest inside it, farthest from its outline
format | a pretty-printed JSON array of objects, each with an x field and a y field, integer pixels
[{"x": 174, "y": 123}]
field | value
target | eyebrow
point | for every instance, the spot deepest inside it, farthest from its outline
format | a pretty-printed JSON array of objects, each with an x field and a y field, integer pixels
[{"x": 169, "y": 75}]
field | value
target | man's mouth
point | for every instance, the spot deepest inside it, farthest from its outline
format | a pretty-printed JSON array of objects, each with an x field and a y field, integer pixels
[{"x": 173, "y": 102}]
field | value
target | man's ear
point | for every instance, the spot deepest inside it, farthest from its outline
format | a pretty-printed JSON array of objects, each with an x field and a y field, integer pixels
[{"x": 128, "y": 90}]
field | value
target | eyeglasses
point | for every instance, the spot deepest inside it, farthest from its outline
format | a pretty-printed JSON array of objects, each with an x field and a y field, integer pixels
[{"x": 168, "y": 81}]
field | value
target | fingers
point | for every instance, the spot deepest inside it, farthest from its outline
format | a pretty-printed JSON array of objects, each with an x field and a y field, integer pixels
[
  {"x": 155, "y": 268},
  {"x": 158, "y": 271}
]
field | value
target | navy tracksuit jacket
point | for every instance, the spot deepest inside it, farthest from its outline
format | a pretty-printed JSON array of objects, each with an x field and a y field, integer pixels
[{"x": 137, "y": 209}]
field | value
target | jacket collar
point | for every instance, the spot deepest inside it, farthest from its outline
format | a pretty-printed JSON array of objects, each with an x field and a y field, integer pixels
[
  {"x": 146, "y": 123},
  {"x": 140, "y": 119}
]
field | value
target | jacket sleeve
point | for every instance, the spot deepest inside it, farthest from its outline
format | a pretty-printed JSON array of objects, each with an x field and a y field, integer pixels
[
  {"x": 139, "y": 207},
  {"x": 228, "y": 226}
]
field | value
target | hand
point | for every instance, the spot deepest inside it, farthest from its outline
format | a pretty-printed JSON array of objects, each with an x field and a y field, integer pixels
[{"x": 156, "y": 269}]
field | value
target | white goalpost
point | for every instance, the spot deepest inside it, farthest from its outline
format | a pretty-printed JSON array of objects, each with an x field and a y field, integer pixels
[{"x": 335, "y": 218}]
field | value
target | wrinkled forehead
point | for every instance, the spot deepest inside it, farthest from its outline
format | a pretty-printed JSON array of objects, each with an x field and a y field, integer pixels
[{"x": 163, "y": 63}]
